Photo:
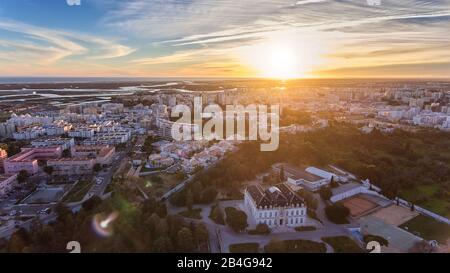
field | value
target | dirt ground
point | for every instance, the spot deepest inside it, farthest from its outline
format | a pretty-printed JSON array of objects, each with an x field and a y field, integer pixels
[
  {"x": 395, "y": 215},
  {"x": 359, "y": 206}
]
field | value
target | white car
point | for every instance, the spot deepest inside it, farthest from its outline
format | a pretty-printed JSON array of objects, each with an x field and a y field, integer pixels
[{"x": 45, "y": 211}]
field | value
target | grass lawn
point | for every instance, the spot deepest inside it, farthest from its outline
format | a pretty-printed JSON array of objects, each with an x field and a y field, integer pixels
[
  {"x": 194, "y": 213},
  {"x": 423, "y": 196},
  {"x": 428, "y": 228},
  {"x": 244, "y": 248},
  {"x": 342, "y": 244},
  {"x": 305, "y": 228},
  {"x": 295, "y": 246},
  {"x": 158, "y": 182},
  {"x": 78, "y": 191},
  {"x": 216, "y": 215}
]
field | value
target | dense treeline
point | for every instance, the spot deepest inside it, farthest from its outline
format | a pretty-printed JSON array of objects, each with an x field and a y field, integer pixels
[
  {"x": 293, "y": 116},
  {"x": 396, "y": 162},
  {"x": 139, "y": 228}
]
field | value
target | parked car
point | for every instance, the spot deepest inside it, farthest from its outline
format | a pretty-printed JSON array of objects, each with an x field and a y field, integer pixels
[
  {"x": 99, "y": 180},
  {"x": 45, "y": 211}
]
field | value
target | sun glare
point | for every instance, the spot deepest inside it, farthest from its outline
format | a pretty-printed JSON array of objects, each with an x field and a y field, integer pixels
[
  {"x": 282, "y": 63},
  {"x": 283, "y": 57}
]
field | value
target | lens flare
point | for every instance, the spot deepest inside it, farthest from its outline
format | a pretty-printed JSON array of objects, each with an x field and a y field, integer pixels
[{"x": 103, "y": 225}]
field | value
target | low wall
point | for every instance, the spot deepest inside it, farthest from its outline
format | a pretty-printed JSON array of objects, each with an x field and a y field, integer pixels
[{"x": 433, "y": 215}]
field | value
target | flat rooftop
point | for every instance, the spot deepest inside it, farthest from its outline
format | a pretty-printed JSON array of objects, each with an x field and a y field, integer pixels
[
  {"x": 345, "y": 187},
  {"x": 296, "y": 174}
]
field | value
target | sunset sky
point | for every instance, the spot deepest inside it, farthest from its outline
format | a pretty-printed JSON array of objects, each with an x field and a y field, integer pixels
[{"x": 225, "y": 38}]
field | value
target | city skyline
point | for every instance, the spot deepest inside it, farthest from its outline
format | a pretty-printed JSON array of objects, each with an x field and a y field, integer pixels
[{"x": 273, "y": 39}]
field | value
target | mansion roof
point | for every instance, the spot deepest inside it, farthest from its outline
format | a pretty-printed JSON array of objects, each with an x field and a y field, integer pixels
[{"x": 277, "y": 196}]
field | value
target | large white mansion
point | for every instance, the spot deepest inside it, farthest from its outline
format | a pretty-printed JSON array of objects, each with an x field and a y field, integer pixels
[{"x": 278, "y": 206}]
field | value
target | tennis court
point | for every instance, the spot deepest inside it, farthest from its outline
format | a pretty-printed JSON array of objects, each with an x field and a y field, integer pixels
[{"x": 359, "y": 206}]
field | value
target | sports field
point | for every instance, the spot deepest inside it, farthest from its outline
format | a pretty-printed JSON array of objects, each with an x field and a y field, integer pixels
[{"x": 359, "y": 206}]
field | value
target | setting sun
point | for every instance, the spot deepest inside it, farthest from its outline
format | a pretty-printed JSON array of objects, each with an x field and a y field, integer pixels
[
  {"x": 282, "y": 63},
  {"x": 284, "y": 57}
]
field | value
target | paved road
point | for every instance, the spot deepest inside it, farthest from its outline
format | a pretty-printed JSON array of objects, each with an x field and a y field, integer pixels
[{"x": 106, "y": 175}]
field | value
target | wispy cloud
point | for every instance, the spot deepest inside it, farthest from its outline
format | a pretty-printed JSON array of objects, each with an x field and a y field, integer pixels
[
  {"x": 305, "y": 2},
  {"x": 179, "y": 36},
  {"x": 59, "y": 44}
]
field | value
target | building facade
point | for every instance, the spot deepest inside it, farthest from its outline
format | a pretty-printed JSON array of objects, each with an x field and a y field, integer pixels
[
  {"x": 186, "y": 129},
  {"x": 72, "y": 166},
  {"x": 307, "y": 179},
  {"x": 277, "y": 206},
  {"x": 3, "y": 156},
  {"x": 102, "y": 154},
  {"x": 7, "y": 183},
  {"x": 65, "y": 143},
  {"x": 28, "y": 158}
]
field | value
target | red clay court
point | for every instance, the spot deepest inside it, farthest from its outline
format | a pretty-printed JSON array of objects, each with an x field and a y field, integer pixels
[{"x": 359, "y": 206}]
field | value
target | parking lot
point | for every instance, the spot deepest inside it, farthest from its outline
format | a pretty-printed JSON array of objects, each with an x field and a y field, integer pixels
[{"x": 45, "y": 195}]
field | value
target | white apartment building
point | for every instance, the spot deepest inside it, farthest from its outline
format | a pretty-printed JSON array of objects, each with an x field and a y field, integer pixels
[
  {"x": 56, "y": 129},
  {"x": 112, "y": 108},
  {"x": 27, "y": 119},
  {"x": 277, "y": 206},
  {"x": 109, "y": 138},
  {"x": 7, "y": 183},
  {"x": 7, "y": 129},
  {"x": 392, "y": 115},
  {"x": 82, "y": 132},
  {"x": 29, "y": 133},
  {"x": 165, "y": 128},
  {"x": 65, "y": 143}
]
